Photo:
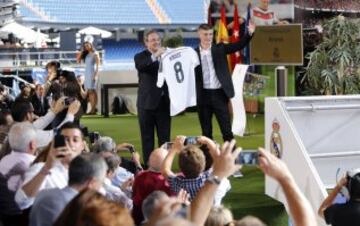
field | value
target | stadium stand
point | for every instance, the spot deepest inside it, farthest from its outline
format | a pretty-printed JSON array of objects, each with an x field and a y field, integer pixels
[
  {"x": 113, "y": 11},
  {"x": 28, "y": 14},
  {"x": 95, "y": 12},
  {"x": 344, "y": 5},
  {"x": 122, "y": 51},
  {"x": 187, "y": 11}
]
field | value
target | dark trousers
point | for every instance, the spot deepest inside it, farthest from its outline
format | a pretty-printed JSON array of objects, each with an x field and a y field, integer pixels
[
  {"x": 150, "y": 120},
  {"x": 214, "y": 101}
]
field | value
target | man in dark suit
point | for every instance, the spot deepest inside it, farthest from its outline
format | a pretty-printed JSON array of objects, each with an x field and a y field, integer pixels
[
  {"x": 214, "y": 85},
  {"x": 39, "y": 101},
  {"x": 153, "y": 103}
]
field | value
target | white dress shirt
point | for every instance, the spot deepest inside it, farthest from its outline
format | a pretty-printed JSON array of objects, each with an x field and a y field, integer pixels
[
  {"x": 210, "y": 81},
  {"x": 9, "y": 161},
  {"x": 57, "y": 178},
  {"x": 44, "y": 137}
]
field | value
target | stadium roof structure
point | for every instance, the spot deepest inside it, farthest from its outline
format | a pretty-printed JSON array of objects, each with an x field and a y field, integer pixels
[{"x": 113, "y": 14}]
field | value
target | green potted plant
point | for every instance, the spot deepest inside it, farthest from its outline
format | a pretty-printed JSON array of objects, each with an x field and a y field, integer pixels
[{"x": 334, "y": 66}]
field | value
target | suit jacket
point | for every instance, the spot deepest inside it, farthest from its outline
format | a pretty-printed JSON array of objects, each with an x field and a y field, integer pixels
[
  {"x": 219, "y": 55},
  {"x": 40, "y": 109},
  {"x": 49, "y": 204},
  {"x": 149, "y": 94}
]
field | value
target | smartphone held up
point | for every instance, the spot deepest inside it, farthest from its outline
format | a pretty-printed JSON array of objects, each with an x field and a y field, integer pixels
[{"x": 248, "y": 157}]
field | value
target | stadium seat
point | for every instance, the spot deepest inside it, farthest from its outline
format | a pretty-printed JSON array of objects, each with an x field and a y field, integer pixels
[
  {"x": 94, "y": 12},
  {"x": 185, "y": 12}
]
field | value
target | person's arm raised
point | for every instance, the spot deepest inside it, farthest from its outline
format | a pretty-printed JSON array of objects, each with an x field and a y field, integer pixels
[
  {"x": 224, "y": 166},
  {"x": 167, "y": 164},
  {"x": 331, "y": 197},
  {"x": 299, "y": 207}
]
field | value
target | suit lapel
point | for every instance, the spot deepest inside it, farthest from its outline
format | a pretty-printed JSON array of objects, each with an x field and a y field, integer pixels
[
  {"x": 197, "y": 49},
  {"x": 213, "y": 55}
]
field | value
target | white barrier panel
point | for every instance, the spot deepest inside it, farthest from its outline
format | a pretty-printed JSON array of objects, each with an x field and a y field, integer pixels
[{"x": 317, "y": 138}]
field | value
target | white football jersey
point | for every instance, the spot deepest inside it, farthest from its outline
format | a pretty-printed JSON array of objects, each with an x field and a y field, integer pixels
[{"x": 177, "y": 69}]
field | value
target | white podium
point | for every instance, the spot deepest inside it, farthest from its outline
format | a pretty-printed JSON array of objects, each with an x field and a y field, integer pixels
[{"x": 317, "y": 137}]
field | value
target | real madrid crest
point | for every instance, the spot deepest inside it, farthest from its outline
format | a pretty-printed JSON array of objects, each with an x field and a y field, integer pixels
[{"x": 276, "y": 147}]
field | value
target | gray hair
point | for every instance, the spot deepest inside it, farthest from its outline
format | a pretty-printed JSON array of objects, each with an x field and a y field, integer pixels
[
  {"x": 149, "y": 203},
  {"x": 112, "y": 160},
  {"x": 85, "y": 167},
  {"x": 20, "y": 135},
  {"x": 104, "y": 144}
]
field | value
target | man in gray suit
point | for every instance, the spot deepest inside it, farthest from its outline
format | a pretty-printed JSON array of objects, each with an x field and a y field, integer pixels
[{"x": 85, "y": 171}]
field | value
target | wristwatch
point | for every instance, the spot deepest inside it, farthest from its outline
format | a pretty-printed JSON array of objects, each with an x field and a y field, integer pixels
[{"x": 214, "y": 179}]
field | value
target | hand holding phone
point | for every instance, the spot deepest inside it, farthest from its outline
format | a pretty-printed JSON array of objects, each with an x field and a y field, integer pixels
[{"x": 59, "y": 141}]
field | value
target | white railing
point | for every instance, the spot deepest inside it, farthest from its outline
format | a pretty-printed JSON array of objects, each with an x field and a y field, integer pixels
[{"x": 26, "y": 59}]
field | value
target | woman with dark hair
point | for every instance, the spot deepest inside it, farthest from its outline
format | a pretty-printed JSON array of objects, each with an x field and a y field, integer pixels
[
  {"x": 91, "y": 59},
  {"x": 68, "y": 86}
]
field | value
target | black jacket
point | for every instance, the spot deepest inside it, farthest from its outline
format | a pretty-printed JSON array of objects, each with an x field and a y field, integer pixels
[
  {"x": 219, "y": 55},
  {"x": 149, "y": 94},
  {"x": 40, "y": 109}
]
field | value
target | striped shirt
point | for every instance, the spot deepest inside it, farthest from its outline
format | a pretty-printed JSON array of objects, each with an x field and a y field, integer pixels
[{"x": 191, "y": 185}]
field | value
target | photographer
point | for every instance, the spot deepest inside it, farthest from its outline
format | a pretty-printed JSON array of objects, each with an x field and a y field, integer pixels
[
  {"x": 53, "y": 69},
  {"x": 127, "y": 168},
  {"x": 5, "y": 98},
  {"x": 192, "y": 165},
  {"x": 63, "y": 83},
  {"x": 347, "y": 213},
  {"x": 54, "y": 172}
]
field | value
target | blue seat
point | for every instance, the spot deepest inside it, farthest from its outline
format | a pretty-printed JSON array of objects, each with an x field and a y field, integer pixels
[
  {"x": 185, "y": 11},
  {"x": 95, "y": 11}
]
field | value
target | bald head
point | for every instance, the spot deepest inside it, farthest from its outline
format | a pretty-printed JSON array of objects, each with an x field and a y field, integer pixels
[{"x": 156, "y": 158}]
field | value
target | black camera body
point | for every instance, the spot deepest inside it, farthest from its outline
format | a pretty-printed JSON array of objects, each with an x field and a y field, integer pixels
[
  {"x": 94, "y": 136},
  {"x": 68, "y": 100}
]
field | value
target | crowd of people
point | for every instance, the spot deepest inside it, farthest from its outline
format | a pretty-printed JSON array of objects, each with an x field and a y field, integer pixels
[
  {"x": 346, "y": 5},
  {"x": 69, "y": 184}
]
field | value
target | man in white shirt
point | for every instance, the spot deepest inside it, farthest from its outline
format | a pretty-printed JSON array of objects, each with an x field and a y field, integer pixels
[
  {"x": 214, "y": 85},
  {"x": 22, "y": 110},
  {"x": 22, "y": 139},
  {"x": 54, "y": 172},
  {"x": 263, "y": 15},
  {"x": 13, "y": 166}
]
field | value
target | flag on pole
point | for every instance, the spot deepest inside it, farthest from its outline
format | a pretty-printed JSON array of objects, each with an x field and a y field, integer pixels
[
  {"x": 210, "y": 22},
  {"x": 247, "y": 49},
  {"x": 222, "y": 32},
  {"x": 235, "y": 37}
]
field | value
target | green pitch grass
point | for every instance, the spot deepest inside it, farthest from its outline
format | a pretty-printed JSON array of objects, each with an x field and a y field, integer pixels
[{"x": 247, "y": 194}]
